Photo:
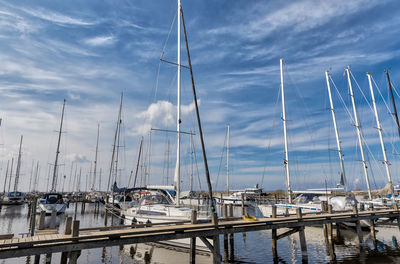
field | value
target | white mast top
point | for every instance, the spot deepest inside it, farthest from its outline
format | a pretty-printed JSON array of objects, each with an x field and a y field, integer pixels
[
  {"x": 178, "y": 116},
  {"x": 18, "y": 168},
  {"x": 227, "y": 159},
  {"x": 339, "y": 147},
  {"x": 286, "y": 160},
  {"x": 95, "y": 158},
  {"x": 379, "y": 127},
  {"x": 357, "y": 125}
]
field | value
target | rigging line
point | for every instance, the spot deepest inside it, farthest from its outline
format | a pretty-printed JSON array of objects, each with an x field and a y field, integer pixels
[
  {"x": 359, "y": 88},
  {"x": 197, "y": 166},
  {"x": 270, "y": 139},
  {"x": 342, "y": 101},
  {"x": 220, "y": 162},
  {"x": 387, "y": 107}
]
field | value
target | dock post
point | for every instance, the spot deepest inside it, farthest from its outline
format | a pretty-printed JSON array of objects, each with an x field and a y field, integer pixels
[
  {"x": 274, "y": 234},
  {"x": 243, "y": 204},
  {"x": 68, "y": 226},
  {"x": 395, "y": 207},
  {"x": 329, "y": 229},
  {"x": 41, "y": 220},
  {"x": 302, "y": 236},
  {"x": 216, "y": 253},
  {"x": 358, "y": 227},
  {"x": 33, "y": 216},
  {"x": 75, "y": 228},
  {"x": 193, "y": 240},
  {"x": 53, "y": 218},
  {"x": 225, "y": 210},
  {"x": 372, "y": 227},
  {"x": 231, "y": 237},
  {"x": 67, "y": 231}
]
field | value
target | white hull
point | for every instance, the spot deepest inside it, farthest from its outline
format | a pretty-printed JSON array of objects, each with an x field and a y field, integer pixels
[{"x": 48, "y": 208}]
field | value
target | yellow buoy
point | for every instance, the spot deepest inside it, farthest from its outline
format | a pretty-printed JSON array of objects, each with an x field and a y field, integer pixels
[{"x": 249, "y": 218}]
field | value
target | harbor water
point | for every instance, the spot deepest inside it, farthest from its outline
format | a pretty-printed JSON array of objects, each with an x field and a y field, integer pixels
[{"x": 251, "y": 247}]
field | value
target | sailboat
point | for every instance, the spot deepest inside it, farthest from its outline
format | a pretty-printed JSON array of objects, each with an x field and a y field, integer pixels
[
  {"x": 95, "y": 196},
  {"x": 310, "y": 200},
  {"x": 157, "y": 205},
  {"x": 53, "y": 201},
  {"x": 15, "y": 197}
]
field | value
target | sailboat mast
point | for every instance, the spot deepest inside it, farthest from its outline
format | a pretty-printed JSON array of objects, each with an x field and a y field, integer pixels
[
  {"x": 10, "y": 176},
  {"x": 393, "y": 102},
  {"x": 53, "y": 184},
  {"x": 178, "y": 116},
  {"x": 5, "y": 180},
  {"x": 339, "y": 147},
  {"x": 357, "y": 125},
  {"x": 18, "y": 167},
  {"x": 203, "y": 148},
  {"x": 138, "y": 161},
  {"x": 227, "y": 158},
  {"x": 114, "y": 146},
  {"x": 191, "y": 162},
  {"x": 286, "y": 160},
  {"x": 379, "y": 127},
  {"x": 95, "y": 157}
]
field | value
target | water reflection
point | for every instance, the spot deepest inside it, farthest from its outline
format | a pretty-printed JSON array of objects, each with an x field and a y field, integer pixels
[{"x": 252, "y": 247}]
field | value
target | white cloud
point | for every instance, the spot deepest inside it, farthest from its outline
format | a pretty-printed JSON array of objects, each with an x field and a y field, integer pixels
[
  {"x": 57, "y": 18},
  {"x": 100, "y": 41}
]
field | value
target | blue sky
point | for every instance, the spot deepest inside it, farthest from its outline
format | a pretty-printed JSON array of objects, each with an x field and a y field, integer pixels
[{"x": 90, "y": 51}]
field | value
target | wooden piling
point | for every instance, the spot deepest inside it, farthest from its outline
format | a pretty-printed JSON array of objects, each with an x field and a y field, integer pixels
[
  {"x": 395, "y": 207},
  {"x": 372, "y": 226},
  {"x": 75, "y": 228},
  {"x": 274, "y": 236},
  {"x": 358, "y": 227},
  {"x": 216, "y": 253},
  {"x": 231, "y": 237},
  {"x": 302, "y": 236},
  {"x": 68, "y": 226},
  {"x": 41, "y": 220},
  {"x": 243, "y": 204},
  {"x": 33, "y": 217},
  {"x": 192, "y": 254},
  {"x": 53, "y": 218}
]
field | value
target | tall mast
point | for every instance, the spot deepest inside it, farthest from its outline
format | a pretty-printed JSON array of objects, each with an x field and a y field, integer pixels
[
  {"x": 393, "y": 102},
  {"x": 10, "y": 176},
  {"x": 358, "y": 128},
  {"x": 178, "y": 116},
  {"x": 191, "y": 162},
  {"x": 138, "y": 162},
  {"x": 114, "y": 145},
  {"x": 339, "y": 147},
  {"x": 5, "y": 179},
  {"x": 203, "y": 148},
  {"x": 18, "y": 166},
  {"x": 286, "y": 160},
  {"x": 95, "y": 157},
  {"x": 379, "y": 127},
  {"x": 54, "y": 183},
  {"x": 227, "y": 158}
]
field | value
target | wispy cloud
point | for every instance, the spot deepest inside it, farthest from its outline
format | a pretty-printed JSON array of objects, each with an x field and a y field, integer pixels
[{"x": 100, "y": 41}]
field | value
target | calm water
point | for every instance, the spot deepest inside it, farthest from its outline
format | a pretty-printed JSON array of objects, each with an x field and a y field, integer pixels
[{"x": 253, "y": 247}]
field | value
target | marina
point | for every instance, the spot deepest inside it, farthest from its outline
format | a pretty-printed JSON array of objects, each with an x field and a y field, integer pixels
[{"x": 175, "y": 131}]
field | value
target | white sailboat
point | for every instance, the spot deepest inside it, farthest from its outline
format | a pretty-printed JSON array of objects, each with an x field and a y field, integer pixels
[
  {"x": 15, "y": 197},
  {"x": 310, "y": 200},
  {"x": 53, "y": 201},
  {"x": 157, "y": 206}
]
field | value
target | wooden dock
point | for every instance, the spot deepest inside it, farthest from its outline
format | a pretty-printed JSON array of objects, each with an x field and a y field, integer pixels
[{"x": 75, "y": 238}]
